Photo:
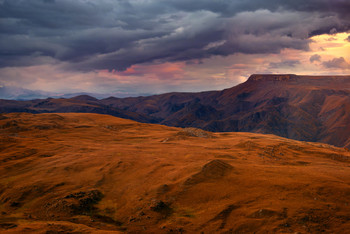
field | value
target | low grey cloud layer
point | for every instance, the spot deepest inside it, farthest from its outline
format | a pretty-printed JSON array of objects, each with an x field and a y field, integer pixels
[
  {"x": 284, "y": 63},
  {"x": 337, "y": 63},
  {"x": 107, "y": 34},
  {"x": 315, "y": 58}
]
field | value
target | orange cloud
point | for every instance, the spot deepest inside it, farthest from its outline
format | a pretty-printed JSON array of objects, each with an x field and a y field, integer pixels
[{"x": 161, "y": 71}]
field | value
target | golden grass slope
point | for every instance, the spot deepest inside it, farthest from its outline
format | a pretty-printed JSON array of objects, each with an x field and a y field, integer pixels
[{"x": 90, "y": 173}]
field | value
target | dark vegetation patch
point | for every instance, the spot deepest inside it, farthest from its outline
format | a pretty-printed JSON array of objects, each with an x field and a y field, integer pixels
[
  {"x": 7, "y": 225},
  {"x": 79, "y": 203},
  {"x": 83, "y": 202},
  {"x": 161, "y": 207},
  {"x": 20, "y": 155}
]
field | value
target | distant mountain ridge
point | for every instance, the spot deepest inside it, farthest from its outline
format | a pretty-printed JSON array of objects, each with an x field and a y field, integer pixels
[
  {"x": 78, "y": 104},
  {"x": 17, "y": 93},
  {"x": 310, "y": 108},
  {"x": 22, "y": 94}
]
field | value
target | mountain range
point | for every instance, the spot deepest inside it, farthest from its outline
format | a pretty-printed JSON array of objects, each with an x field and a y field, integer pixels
[
  {"x": 19, "y": 93},
  {"x": 308, "y": 108}
]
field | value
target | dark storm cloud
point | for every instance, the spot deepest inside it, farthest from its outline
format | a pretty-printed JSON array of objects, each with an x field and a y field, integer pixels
[
  {"x": 338, "y": 63},
  {"x": 315, "y": 58},
  {"x": 108, "y": 34},
  {"x": 284, "y": 63}
]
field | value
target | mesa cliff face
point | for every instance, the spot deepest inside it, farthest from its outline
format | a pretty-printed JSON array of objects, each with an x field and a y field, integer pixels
[
  {"x": 272, "y": 77},
  {"x": 311, "y": 108}
]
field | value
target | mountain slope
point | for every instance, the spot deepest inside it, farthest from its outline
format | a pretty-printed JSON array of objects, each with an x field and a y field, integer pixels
[
  {"x": 13, "y": 92},
  {"x": 90, "y": 173},
  {"x": 309, "y": 108},
  {"x": 298, "y": 107},
  {"x": 79, "y": 104}
]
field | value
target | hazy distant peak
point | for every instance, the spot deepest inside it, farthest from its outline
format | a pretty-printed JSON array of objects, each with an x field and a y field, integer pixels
[{"x": 84, "y": 98}]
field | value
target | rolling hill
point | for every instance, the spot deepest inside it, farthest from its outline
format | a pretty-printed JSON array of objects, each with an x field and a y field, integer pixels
[
  {"x": 309, "y": 108},
  {"x": 92, "y": 173}
]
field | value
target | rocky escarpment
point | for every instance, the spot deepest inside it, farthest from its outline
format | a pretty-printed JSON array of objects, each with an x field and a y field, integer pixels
[{"x": 272, "y": 77}]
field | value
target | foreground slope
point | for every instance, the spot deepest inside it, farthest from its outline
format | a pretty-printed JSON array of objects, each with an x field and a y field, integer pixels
[{"x": 62, "y": 173}]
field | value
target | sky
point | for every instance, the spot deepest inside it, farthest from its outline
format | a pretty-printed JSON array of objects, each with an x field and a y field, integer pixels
[{"x": 141, "y": 47}]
